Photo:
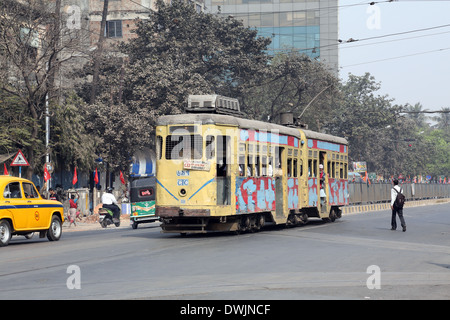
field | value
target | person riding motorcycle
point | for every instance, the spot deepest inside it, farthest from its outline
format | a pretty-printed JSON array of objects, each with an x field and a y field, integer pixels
[{"x": 109, "y": 202}]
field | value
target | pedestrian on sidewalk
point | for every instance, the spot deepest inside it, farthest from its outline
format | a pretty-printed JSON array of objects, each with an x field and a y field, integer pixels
[
  {"x": 73, "y": 209},
  {"x": 397, "y": 209}
]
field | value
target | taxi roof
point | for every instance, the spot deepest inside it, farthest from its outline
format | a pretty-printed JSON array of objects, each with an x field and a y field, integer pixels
[{"x": 6, "y": 179}]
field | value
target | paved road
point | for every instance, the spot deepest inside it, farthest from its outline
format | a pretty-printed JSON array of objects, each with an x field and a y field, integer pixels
[{"x": 318, "y": 261}]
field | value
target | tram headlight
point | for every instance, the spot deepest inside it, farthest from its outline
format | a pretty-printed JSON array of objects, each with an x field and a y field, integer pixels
[{"x": 182, "y": 192}]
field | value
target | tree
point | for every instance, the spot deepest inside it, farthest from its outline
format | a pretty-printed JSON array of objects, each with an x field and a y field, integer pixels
[
  {"x": 443, "y": 119},
  {"x": 180, "y": 52},
  {"x": 119, "y": 131},
  {"x": 295, "y": 83},
  {"x": 73, "y": 145},
  {"x": 12, "y": 123},
  {"x": 99, "y": 52},
  {"x": 177, "y": 52},
  {"x": 367, "y": 121},
  {"x": 416, "y": 114},
  {"x": 439, "y": 147},
  {"x": 33, "y": 45}
]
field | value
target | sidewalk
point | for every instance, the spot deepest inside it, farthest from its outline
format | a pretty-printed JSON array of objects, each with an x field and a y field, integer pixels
[{"x": 94, "y": 225}]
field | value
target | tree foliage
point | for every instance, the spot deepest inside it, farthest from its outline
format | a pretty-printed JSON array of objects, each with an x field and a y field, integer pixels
[
  {"x": 365, "y": 120},
  {"x": 293, "y": 83},
  {"x": 178, "y": 52},
  {"x": 390, "y": 141},
  {"x": 32, "y": 42}
]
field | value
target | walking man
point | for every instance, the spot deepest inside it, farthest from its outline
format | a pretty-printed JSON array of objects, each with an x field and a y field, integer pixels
[{"x": 396, "y": 208}]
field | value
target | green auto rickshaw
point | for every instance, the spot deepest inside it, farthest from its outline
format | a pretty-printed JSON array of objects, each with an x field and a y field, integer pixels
[{"x": 142, "y": 198}]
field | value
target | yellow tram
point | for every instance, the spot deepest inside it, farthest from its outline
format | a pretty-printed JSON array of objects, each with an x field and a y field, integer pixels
[{"x": 219, "y": 172}]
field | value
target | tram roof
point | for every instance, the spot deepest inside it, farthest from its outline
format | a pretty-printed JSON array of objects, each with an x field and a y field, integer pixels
[{"x": 220, "y": 119}]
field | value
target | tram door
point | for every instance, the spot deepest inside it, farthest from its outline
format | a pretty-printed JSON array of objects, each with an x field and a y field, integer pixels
[
  {"x": 223, "y": 170},
  {"x": 323, "y": 181},
  {"x": 280, "y": 192}
]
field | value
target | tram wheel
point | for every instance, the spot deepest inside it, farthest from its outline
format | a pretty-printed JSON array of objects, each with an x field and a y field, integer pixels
[
  {"x": 244, "y": 224},
  {"x": 332, "y": 215},
  {"x": 259, "y": 223}
]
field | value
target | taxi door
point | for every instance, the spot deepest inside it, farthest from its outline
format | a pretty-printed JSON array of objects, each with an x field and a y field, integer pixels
[
  {"x": 15, "y": 203},
  {"x": 37, "y": 214}
]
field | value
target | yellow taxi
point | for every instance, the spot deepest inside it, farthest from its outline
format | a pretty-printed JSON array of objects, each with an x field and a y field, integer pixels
[{"x": 23, "y": 211}]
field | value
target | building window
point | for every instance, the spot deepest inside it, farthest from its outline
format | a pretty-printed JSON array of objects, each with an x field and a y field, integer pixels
[{"x": 113, "y": 29}]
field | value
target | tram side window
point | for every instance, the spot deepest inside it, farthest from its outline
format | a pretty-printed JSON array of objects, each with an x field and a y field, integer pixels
[
  {"x": 210, "y": 147},
  {"x": 341, "y": 171},
  {"x": 329, "y": 169},
  {"x": 270, "y": 167},
  {"x": 257, "y": 166},
  {"x": 289, "y": 167},
  {"x": 333, "y": 169},
  {"x": 301, "y": 168},
  {"x": 309, "y": 167},
  {"x": 315, "y": 168},
  {"x": 295, "y": 168},
  {"x": 264, "y": 166},
  {"x": 278, "y": 153},
  {"x": 159, "y": 143},
  {"x": 249, "y": 165},
  {"x": 312, "y": 168},
  {"x": 241, "y": 165},
  {"x": 241, "y": 159},
  {"x": 223, "y": 154}
]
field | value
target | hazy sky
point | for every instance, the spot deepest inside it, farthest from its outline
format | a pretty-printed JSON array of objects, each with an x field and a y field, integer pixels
[{"x": 421, "y": 70}]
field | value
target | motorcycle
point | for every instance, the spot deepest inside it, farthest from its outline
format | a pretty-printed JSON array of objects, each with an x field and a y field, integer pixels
[{"x": 106, "y": 218}]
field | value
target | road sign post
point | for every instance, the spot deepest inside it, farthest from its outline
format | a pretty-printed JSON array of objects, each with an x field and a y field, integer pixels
[{"x": 19, "y": 161}]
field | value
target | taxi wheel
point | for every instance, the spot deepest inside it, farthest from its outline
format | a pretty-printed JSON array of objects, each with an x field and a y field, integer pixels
[
  {"x": 29, "y": 235},
  {"x": 55, "y": 230},
  {"x": 5, "y": 233}
]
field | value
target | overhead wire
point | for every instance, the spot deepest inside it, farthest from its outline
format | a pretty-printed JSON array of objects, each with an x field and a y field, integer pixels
[
  {"x": 323, "y": 11},
  {"x": 393, "y": 58}
]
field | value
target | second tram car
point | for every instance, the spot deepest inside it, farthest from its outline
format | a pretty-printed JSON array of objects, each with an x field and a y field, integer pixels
[{"x": 219, "y": 172}]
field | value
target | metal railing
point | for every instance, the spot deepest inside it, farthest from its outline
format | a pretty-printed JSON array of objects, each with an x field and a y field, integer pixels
[{"x": 364, "y": 193}]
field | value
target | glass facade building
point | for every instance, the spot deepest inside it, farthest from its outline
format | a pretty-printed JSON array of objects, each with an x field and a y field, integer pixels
[{"x": 308, "y": 26}]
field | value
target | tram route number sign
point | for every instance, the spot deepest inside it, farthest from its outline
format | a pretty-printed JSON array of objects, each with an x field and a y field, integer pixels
[{"x": 196, "y": 165}]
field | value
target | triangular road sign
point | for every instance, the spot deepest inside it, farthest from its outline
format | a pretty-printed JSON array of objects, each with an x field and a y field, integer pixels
[{"x": 19, "y": 160}]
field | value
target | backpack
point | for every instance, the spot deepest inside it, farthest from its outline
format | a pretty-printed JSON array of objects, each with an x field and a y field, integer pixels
[{"x": 400, "y": 199}]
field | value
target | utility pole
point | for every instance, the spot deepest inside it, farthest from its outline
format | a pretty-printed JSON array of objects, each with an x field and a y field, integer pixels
[
  {"x": 51, "y": 71},
  {"x": 99, "y": 52}
]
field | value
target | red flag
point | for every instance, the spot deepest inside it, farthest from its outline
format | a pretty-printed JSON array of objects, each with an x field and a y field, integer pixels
[
  {"x": 122, "y": 178},
  {"x": 96, "y": 176},
  {"x": 46, "y": 174},
  {"x": 5, "y": 171},
  {"x": 75, "y": 178}
]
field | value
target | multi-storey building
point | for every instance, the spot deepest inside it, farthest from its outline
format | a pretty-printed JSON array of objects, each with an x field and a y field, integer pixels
[
  {"x": 122, "y": 15},
  {"x": 308, "y": 26}
]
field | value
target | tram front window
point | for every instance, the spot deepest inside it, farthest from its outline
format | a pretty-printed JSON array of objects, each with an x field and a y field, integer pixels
[{"x": 179, "y": 147}]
